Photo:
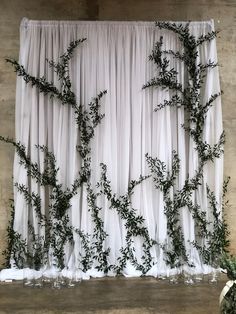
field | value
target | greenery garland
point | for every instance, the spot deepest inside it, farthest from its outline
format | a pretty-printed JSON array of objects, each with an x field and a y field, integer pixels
[
  {"x": 58, "y": 229},
  {"x": 134, "y": 224},
  {"x": 213, "y": 234}
]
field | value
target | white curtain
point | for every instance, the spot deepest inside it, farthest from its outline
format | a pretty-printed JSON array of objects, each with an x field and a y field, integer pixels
[{"x": 114, "y": 57}]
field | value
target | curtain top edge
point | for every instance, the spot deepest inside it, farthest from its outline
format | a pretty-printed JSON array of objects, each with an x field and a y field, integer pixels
[{"x": 25, "y": 22}]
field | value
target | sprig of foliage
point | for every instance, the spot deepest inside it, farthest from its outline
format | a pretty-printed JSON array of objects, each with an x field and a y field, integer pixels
[
  {"x": 164, "y": 181},
  {"x": 100, "y": 254},
  {"x": 10, "y": 238},
  {"x": 217, "y": 238},
  {"x": 65, "y": 95},
  {"x": 87, "y": 122},
  {"x": 134, "y": 224},
  {"x": 86, "y": 260},
  {"x": 32, "y": 199}
]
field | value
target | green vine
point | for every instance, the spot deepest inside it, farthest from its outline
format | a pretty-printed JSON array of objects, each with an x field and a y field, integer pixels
[
  {"x": 99, "y": 235},
  {"x": 134, "y": 224},
  {"x": 58, "y": 230},
  {"x": 165, "y": 181},
  {"x": 187, "y": 96},
  {"x": 57, "y": 225},
  {"x": 15, "y": 246}
]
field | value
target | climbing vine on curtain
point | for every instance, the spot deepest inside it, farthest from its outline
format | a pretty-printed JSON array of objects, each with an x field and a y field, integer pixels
[{"x": 118, "y": 219}]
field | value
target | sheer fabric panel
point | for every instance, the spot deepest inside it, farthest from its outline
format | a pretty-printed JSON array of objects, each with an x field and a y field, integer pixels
[{"x": 114, "y": 57}]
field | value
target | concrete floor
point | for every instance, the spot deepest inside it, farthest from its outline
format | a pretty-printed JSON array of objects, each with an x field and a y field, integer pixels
[{"x": 113, "y": 295}]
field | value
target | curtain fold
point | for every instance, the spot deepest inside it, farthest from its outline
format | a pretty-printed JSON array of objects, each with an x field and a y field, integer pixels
[{"x": 114, "y": 57}]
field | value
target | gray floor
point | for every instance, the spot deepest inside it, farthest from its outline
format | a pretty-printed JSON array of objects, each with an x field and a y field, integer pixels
[{"x": 113, "y": 295}]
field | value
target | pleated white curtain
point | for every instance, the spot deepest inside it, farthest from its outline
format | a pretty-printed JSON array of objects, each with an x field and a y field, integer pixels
[{"x": 114, "y": 57}]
